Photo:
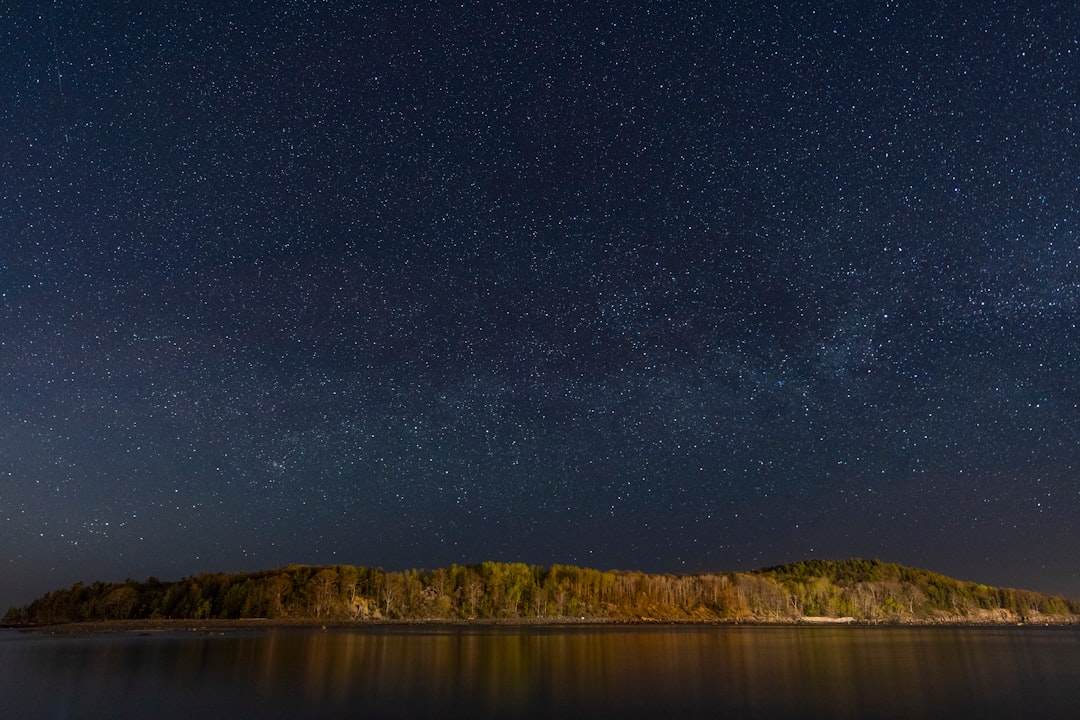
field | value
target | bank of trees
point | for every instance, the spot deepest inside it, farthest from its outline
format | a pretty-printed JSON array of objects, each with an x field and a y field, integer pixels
[{"x": 866, "y": 590}]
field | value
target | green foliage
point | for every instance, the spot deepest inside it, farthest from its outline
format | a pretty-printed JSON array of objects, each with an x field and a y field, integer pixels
[{"x": 867, "y": 590}]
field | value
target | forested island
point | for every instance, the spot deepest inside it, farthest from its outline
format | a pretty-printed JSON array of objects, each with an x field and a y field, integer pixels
[{"x": 864, "y": 591}]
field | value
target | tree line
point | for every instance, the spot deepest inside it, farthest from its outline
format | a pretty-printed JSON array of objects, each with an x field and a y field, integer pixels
[{"x": 863, "y": 590}]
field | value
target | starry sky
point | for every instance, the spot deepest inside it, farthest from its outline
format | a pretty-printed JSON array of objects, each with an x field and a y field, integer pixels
[{"x": 667, "y": 286}]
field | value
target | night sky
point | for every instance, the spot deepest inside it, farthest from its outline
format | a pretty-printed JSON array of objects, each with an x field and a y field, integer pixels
[{"x": 672, "y": 287}]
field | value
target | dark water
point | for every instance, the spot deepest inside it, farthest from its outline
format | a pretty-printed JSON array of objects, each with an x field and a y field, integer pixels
[{"x": 654, "y": 672}]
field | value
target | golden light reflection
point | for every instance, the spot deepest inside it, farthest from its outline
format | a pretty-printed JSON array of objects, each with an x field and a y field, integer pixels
[{"x": 540, "y": 672}]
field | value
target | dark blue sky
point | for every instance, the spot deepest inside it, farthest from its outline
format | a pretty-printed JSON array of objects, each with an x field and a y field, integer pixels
[{"x": 660, "y": 286}]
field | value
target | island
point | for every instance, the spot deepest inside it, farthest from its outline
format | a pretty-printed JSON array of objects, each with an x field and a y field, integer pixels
[{"x": 814, "y": 592}]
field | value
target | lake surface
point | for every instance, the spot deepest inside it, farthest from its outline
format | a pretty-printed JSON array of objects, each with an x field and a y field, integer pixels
[{"x": 546, "y": 672}]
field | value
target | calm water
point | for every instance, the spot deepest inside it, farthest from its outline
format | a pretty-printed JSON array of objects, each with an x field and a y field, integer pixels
[{"x": 767, "y": 672}]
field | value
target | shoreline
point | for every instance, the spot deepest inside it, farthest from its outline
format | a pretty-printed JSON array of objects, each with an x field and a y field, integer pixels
[{"x": 219, "y": 626}]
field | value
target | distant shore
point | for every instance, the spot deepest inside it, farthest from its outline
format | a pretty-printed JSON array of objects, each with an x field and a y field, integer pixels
[
  {"x": 98, "y": 627},
  {"x": 811, "y": 592},
  {"x": 214, "y": 627}
]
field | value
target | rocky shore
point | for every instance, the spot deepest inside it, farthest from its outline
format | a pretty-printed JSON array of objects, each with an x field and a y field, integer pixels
[{"x": 215, "y": 627}]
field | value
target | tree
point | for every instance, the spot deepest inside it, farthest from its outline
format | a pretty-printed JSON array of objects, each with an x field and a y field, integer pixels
[
  {"x": 390, "y": 592},
  {"x": 474, "y": 590},
  {"x": 322, "y": 591},
  {"x": 120, "y": 602}
]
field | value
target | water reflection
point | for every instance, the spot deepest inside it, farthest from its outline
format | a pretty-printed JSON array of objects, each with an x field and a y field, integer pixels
[{"x": 548, "y": 672}]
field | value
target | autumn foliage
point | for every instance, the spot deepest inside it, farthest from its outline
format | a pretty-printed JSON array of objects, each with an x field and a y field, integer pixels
[{"x": 859, "y": 590}]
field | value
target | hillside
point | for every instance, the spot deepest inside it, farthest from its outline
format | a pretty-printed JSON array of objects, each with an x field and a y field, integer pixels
[{"x": 847, "y": 590}]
